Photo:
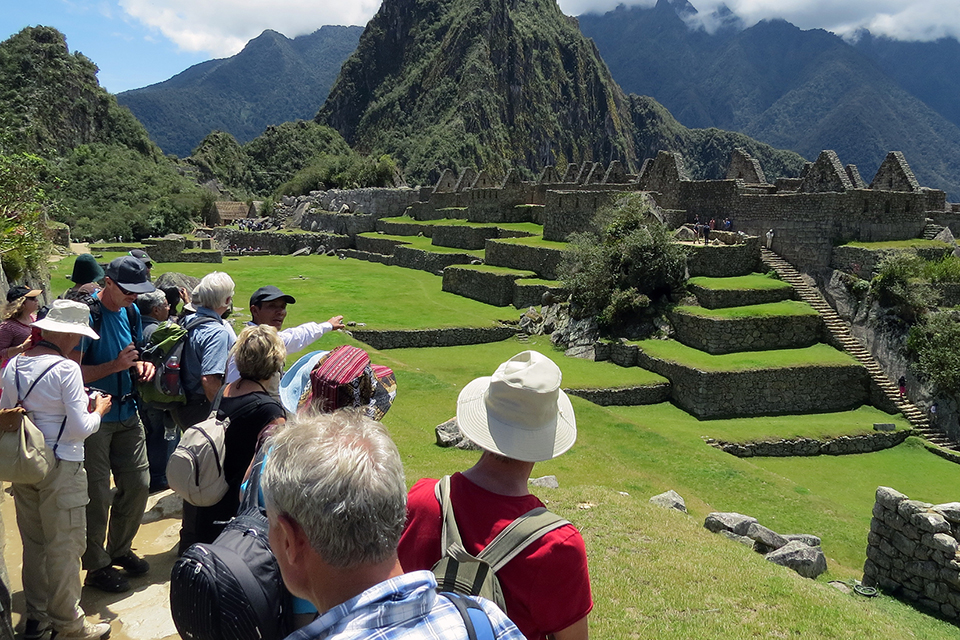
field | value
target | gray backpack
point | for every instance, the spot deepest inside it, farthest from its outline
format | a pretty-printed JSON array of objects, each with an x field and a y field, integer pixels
[{"x": 459, "y": 572}]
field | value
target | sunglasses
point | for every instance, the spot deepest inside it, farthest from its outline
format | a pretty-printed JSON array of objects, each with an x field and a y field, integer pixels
[{"x": 124, "y": 291}]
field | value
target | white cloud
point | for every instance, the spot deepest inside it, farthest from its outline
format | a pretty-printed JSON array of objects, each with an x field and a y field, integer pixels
[{"x": 222, "y": 27}]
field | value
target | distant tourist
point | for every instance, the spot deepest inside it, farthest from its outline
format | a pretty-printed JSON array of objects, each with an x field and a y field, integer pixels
[
  {"x": 519, "y": 416},
  {"x": 902, "y": 383},
  {"x": 769, "y": 239},
  {"x": 19, "y": 312},
  {"x": 143, "y": 257},
  {"x": 86, "y": 276}
]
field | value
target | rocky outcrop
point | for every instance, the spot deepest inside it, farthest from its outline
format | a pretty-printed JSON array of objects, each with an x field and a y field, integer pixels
[{"x": 800, "y": 552}]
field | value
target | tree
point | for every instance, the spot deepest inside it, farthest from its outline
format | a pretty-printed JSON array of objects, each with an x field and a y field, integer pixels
[{"x": 23, "y": 202}]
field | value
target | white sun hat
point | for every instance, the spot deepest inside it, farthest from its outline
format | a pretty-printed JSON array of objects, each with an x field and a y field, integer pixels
[
  {"x": 67, "y": 316},
  {"x": 520, "y": 411}
]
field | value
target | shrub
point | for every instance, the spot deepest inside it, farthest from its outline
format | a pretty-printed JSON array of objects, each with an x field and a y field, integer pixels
[
  {"x": 901, "y": 285},
  {"x": 23, "y": 202},
  {"x": 936, "y": 343},
  {"x": 629, "y": 260}
]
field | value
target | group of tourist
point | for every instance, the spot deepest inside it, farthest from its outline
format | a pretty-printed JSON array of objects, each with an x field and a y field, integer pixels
[
  {"x": 702, "y": 230},
  {"x": 351, "y": 544},
  {"x": 246, "y": 224}
]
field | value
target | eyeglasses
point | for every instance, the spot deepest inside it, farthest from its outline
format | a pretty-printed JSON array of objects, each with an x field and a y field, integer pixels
[{"x": 124, "y": 291}]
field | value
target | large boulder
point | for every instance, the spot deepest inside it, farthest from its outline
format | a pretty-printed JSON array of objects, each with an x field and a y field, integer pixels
[
  {"x": 670, "y": 500},
  {"x": 729, "y": 521},
  {"x": 175, "y": 279},
  {"x": 765, "y": 540},
  {"x": 808, "y": 561}
]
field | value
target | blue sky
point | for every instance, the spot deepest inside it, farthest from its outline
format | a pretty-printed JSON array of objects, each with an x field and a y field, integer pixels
[{"x": 140, "y": 42}]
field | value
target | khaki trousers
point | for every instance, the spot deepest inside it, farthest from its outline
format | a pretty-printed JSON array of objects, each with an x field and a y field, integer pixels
[{"x": 51, "y": 516}]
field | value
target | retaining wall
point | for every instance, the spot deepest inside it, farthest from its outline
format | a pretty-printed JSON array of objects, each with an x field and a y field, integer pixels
[
  {"x": 276, "y": 243},
  {"x": 567, "y": 212},
  {"x": 411, "y": 258},
  {"x": 405, "y": 339},
  {"x": 531, "y": 295},
  {"x": 724, "y": 260},
  {"x": 912, "y": 552},
  {"x": 346, "y": 224},
  {"x": 541, "y": 260},
  {"x": 376, "y": 244},
  {"x": 378, "y": 202},
  {"x": 764, "y": 392},
  {"x": 724, "y": 298},
  {"x": 405, "y": 228},
  {"x": 800, "y": 447},
  {"x": 463, "y": 237},
  {"x": 718, "y": 336},
  {"x": 629, "y": 396},
  {"x": 486, "y": 286}
]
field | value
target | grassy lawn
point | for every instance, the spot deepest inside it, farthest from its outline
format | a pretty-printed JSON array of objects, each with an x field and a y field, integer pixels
[
  {"x": 753, "y": 281},
  {"x": 535, "y": 242},
  {"x": 673, "y": 351},
  {"x": 538, "y": 281},
  {"x": 771, "y": 309},
  {"x": 529, "y": 227},
  {"x": 422, "y": 242}
]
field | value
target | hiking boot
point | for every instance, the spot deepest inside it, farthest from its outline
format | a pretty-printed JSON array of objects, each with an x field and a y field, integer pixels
[
  {"x": 131, "y": 563},
  {"x": 35, "y": 630},
  {"x": 88, "y": 631},
  {"x": 107, "y": 579}
]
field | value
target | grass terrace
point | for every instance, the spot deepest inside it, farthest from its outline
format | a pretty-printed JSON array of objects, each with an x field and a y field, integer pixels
[
  {"x": 422, "y": 242},
  {"x": 784, "y": 308},
  {"x": 538, "y": 282},
  {"x": 754, "y": 281},
  {"x": 535, "y": 242},
  {"x": 913, "y": 243},
  {"x": 673, "y": 351},
  {"x": 528, "y": 227},
  {"x": 503, "y": 271}
]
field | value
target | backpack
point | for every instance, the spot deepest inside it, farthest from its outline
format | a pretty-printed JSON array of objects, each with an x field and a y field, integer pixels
[
  {"x": 475, "y": 619},
  {"x": 195, "y": 469},
  {"x": 231, "y": 589},
  {"x": 165, "y": 351},
  {"x": 460, "y": 572}
]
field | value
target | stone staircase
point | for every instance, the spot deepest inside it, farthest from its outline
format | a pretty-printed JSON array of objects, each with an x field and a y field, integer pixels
[
  {"x": 844, "y": 338},
  {"x": 931, "y": 231}
]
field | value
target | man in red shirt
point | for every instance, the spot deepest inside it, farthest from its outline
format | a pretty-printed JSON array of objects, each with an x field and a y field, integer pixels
[{"x": 519, "y": 416}]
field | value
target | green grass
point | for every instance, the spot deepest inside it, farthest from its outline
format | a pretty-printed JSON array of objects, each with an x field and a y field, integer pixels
[
  {"x": 536, "y": 242},
  {"x": 529, "y": 282},
  {"x": 821, "y": 426},
  {"x": 486, "y": 268},
  {"x": 529, "y": 227},
  {"x": 754, "y": 281},
  {"x": 784, "y": 308},
  {"x": 673, "y": 351},
  {"x": 913, "y": 243},
  {"x": 422, "y": 242}
]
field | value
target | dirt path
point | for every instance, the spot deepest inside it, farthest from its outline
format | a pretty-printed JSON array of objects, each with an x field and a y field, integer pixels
[{"x": 143, "y": 613}]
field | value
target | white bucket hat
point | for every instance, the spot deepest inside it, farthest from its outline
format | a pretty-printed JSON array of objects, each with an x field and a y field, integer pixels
[
  {"x": 68, "y": 316},
  {"x": 520, "y": 411}
]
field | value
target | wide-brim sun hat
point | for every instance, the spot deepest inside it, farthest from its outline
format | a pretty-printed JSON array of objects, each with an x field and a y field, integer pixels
[
  {"x": 296, "y": 379},
  {"x": 520, "y": 411},
  {"x": 67, "y": 316}
]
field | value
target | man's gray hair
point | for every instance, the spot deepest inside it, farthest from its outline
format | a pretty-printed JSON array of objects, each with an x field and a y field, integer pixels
[
  {"x": 339, "y": 476},
  {"x": 214, "y": 291},
  {"x": 147, "y": 302}
]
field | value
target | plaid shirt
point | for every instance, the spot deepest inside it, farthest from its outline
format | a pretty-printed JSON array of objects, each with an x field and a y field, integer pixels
[{"x": 403, "y": 608}]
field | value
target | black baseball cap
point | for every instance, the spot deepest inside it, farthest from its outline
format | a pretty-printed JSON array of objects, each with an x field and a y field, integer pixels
[
  {"x": 268, "y": 293},
  {"x": 143, "y": 257},
  {"x": 20, "y": 291},
  {"x": 130, "y": 274}
]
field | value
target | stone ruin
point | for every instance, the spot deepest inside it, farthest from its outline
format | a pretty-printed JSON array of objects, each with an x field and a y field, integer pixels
[{"x": 800, "y": 552}]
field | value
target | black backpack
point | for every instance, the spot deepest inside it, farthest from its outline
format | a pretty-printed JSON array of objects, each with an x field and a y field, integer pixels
[{"x": 231, "y": 589}]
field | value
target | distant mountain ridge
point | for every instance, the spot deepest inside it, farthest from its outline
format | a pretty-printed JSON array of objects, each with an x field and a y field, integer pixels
[
  {"x": 274, "y": 79},
  {"x": 793, "y": 89}
]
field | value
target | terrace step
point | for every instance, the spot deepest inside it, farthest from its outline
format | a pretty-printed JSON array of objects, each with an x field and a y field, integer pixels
[
  {"x": 842, "y": 336},
  {"x": 931, "y": 231}
]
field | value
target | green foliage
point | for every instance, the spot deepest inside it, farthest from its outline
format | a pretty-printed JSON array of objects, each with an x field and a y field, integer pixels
[
  {"x": 936, "y": 342},
  {"x": 341, "y": 172},
  {"x": 900, "y": 284},
  {"x": 615, "y": 271},
  {"x": 23, "y": 202},
  {"x": 947, "y": 269},
  {"x": 109, "y": 190}
]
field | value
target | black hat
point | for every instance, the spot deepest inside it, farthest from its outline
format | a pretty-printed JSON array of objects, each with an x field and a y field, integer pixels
[
  {"x": 143, "y": 257},
  {"x": 268, "y": 293},
  {"x": 130, "y": 274},
  {"x": 20, "y": 291},
  {"x": 86, "y": 269}
]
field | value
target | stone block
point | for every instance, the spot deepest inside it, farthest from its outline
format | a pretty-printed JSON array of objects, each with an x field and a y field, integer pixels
[
  {"x": 908, "y": 508},
  {"x": 730, "y": 521},
  {"x": 808, "y": 561},
  {"x": 544, "y": 482},
  {"x": 950, "y": 511},
  {"x": 884, "y": 426},
  {"x": 880, "y": 558},
  {"x": 924, "y": 569},
  {"x": 744, "y": 540},
  {"x": 944, "y": 543},
  {"x": 670, "y": 500},
  {"x": 890, "y": 498},
  {"x": 766, "y": 539},
  {"x": 930, "y": 521}
]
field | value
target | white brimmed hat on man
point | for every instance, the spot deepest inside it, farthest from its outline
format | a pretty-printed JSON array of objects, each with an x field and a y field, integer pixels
[{"x": 520, "y": 411}]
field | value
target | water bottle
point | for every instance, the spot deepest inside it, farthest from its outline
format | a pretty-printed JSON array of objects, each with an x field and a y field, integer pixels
[{"x": 170, "y": 385}]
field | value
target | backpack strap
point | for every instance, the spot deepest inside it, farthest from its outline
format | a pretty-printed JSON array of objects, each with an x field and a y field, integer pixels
[
  {"x": 16, "y": 377},
  {"x": 516, "y": 537},
  {"x": 475, "y": 619}
]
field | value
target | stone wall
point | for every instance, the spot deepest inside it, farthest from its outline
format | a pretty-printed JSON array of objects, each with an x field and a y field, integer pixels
[
  {"x": 201, "y": 255},
  {"x": 541, "y": 260},
  {"x": 404, "y": 228},
  {"x": 800, "y": 447},
  {"x": 730, "y": 335},
  {"x": 569, "y": 211},
  {"x": 463, "y": 237},
  {"x": 629, "y": 396},
  {"x": 276, "y": 243},
  {"x": 59, "y": 234},
  {"x": 377, "y": 244},
  {"x": 490, "y": 287},
  {"x": 379, "y": 203},
  {"x": 411, "y": 258},
  {"x": 724, "y": 260},
  {"x": 407, "y": 339},
  {"x": 735, "y": 394},
  {"x": 346, "y": 224},
  {"x": 723, "y": 298},
  {"x": 911, "y": 552},
  {"x": 531, "y": 295},
  {"x": 864, "y": 261}
]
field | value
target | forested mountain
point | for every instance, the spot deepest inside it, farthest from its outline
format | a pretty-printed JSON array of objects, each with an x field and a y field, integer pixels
[
  {"x": 104, "y": 175},
  {"x": 500, "y": 84},
  {"x": 272, "y": 80},
  {"x": 801, "y": 90}
]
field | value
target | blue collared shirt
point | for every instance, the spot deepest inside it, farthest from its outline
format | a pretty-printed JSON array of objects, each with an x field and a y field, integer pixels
[
  {"x": 205, "y": 352},
  {"x": 403, "y": 608}
]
